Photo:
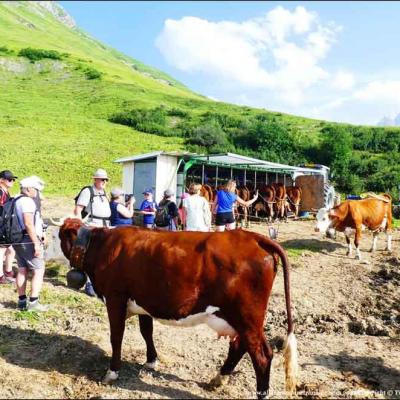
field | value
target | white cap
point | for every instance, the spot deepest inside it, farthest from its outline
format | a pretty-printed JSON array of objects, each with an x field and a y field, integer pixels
[
  {"x": 116, "y": 192},
  {"x": 32, "y": 182},
  {"x": 100, "y": 174}
]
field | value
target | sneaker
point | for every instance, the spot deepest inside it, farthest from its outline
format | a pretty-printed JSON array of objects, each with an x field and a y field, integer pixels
[
  {"x": 10, "y": 275},
  {"x": 22, "y": 305},
  {"x": 89, "y": 289},
  {"x": 5, "y": 280},
  {"x": 36, "y": 306}
]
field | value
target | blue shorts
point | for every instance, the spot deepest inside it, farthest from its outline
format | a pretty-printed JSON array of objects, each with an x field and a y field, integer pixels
[{"x": 224, "y": 218}]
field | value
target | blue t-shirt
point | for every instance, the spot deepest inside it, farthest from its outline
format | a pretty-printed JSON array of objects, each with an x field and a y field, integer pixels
[
  {"x": 225, "y": 201},
  {"x": 118, "y": 219},
  {"x": 148, "y": 206}
]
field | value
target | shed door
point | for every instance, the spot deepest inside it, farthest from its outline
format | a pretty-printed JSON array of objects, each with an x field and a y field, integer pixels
[
  {"x": 312, "y": 191},
  {"x": 144, "y": 177}
]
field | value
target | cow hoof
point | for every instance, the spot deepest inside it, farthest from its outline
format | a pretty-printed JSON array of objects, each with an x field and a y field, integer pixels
[
  {"x": 151, "y": 365},
  {"x": 217, "y": 381},
  {"x": 110, "y": 377}
]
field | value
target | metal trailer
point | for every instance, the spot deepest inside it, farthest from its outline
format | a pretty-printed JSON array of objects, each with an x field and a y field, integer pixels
[{"x": 176, "y": 170}]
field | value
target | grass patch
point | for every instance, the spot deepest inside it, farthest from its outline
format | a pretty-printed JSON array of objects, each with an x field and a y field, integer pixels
[{"x": 396, "y": 223}]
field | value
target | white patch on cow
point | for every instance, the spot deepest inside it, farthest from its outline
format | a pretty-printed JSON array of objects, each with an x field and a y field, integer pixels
[
  {"x": 349, "y": 231},
  {"x": 110, "y": 377},
  {"x": 374, "y": 240},
  {"x": 389, "y": 242},
  {"x": 323, "y": 220},
  {"x": 151, "y": 365},
  {"x": 384, "y": 223},
  {"x": 207, "y": 317},
  {"x": 349, "y": 249},
  {"x": 363, "y": 227},
  {"x": 358, "y": 253}
]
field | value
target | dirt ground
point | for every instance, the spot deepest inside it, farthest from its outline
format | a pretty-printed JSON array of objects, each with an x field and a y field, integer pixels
[{"x": 347, "y": 322}]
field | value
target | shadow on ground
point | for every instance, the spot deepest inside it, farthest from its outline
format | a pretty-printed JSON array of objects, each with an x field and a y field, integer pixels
[
  {"x": 314, "y": 245},
  {"x": 370, "y": 371},
  {"x": 72, "y": 355}
]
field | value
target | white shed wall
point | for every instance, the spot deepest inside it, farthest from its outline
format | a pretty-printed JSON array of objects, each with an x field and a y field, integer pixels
[
  {"x": 127, "y": 177},
  {"x": 166, "y": 175}
]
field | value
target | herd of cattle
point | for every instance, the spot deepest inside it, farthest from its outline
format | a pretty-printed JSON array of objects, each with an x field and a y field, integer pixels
[
  {"x": 275, "y": 200},
  {"x": 223, "y": 280}
]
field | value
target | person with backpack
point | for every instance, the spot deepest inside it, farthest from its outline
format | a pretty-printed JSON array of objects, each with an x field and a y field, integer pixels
[
  {"x": 92, "y": 201},
  {"x": 29, "y": 248},
  {"x": 148, "y": 208},
  {"x": 7, "y": 253},
  {"x": 167, "y": 214},
  {"x": 121, "y": 211}
]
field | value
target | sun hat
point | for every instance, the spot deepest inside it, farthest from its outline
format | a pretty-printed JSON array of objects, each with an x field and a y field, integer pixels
[
  {"x": 32, "y": 182},
  {"x": 116, "y": 192},
  {"x": 6, "y": 174},
  {"x": 100, "y": 174},
  {"x": 168, "y": 193}
]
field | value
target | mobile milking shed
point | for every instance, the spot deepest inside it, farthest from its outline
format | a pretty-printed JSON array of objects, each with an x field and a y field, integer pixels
[{"x": 162, "y": 170}]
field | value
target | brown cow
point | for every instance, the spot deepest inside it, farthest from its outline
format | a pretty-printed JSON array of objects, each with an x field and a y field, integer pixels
[
  {"x": 294, "y": 198},
  {"x": 267, "y": 194},
  {"x": 243, "y": 212},
  {"x": 280, "y": 199},
  {"x": 374, "y": 213},
  {"x": 186, "y": 278}
]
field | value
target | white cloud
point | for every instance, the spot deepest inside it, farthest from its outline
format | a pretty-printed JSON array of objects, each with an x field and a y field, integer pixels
[
  {"x": 343, "y": 80},
  {"x": 280, "y": 51}
]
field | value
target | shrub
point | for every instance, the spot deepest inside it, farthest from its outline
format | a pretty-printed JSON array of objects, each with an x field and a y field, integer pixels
[
  {"x": 5, "y": 50},
  {"x": 39, "y": 54},
  {"x": 92, "y": 73},
  {"x": 208, "y": 135},
  {"x": 177, "y": 112}
]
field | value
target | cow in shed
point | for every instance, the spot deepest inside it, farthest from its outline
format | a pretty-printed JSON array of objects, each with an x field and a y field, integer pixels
[
  {"x": 267, "y": 194},
  {"x": 374, "y": 213},
  {"x": 280, "y": 200},
  {"x": 293, "y": 199},
  {"x": 185, "y": 278}
]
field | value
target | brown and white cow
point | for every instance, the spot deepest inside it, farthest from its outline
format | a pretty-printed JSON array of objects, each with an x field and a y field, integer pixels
[
  {"x": 374, "y": 213},
  {"x": 185, "y": 278}
]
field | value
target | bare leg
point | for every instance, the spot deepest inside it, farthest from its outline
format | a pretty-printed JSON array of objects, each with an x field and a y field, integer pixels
[
  {"x": 21, "y": 281},
  {"x": 37, "y": 281},
  {"x": 231, "y": 227},
  {"x": 220, "y": 228},
  {"x": 146, "y": 329},
  {"x": 9, "y": 254}
]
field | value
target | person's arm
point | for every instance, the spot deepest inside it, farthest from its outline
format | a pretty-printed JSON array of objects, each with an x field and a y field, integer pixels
[
  {"x": 249, "y": 202},
  {"x": 82, "y": 202},
  {"x": 126, "y": 212},
  {"x": 30, "y": 229},
  {"x": 214, "y": 205},
  {"x": 77, "y": 210}
]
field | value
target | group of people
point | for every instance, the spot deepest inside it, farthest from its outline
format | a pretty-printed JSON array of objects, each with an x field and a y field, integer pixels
[{"x": 193, "y": 214}]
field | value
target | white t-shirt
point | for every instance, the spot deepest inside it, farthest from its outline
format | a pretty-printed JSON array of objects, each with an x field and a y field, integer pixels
[
  {"x": 101, "y": 206},
  {"x": 198, "y": 214},
  {"x": 27, "y": 205}
]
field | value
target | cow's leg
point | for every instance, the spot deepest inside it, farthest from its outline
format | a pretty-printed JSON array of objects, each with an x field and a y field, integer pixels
[
  {"x": 235, "y": 354},
  {"x": 357, "y": 242},
  {"x": 389, "y": 241},
  {"x": 349, "y": 249},
  {"x": 261, "y": 356},
  {"x": 116, "y": 309},
  {"x": 146, "y": 329},
  {"x": 374, "y": 240}
]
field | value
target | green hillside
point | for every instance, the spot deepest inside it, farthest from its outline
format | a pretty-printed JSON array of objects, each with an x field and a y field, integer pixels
[{"x": 70, "y": 104}]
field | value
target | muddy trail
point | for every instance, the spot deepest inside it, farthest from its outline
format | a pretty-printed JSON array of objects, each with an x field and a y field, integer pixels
[{"x": 347, "y": 322}]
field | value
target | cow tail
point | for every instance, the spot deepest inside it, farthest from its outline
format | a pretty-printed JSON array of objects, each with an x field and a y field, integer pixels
[{"x": 290, "y": 345}]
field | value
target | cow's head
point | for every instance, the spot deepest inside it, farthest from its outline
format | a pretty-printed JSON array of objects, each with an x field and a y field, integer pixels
[
  {"x": 325, "y": 222},
  {"x": 68, "y": 234}
]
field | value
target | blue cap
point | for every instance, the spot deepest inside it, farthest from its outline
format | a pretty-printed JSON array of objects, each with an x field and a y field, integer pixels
[{"x": 148, "y": 190}]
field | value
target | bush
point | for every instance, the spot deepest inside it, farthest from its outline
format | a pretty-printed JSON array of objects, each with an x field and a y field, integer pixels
[
  {"x": 39, "y": 54},
  {"x": 177, "y": 112},
  {"x": 92, "y": 73},
  {"x": 5, "y": 50},
  {"x": 208, "y": 135}
]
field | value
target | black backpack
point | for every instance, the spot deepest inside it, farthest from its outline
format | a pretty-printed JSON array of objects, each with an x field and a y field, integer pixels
[
  {"x": 162, "y": 217},
  {"x": 10, "y": 227},
  {"x": 84, "y": 213}
]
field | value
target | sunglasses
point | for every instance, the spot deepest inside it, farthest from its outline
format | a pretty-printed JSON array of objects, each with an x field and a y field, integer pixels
[{"x": 11, "y": 180}]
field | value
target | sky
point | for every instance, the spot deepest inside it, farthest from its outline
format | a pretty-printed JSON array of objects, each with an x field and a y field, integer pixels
[{"x": 337, "y": 61}]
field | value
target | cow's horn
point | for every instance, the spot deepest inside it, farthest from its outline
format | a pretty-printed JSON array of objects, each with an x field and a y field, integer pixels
[{"x": 59, "y": 223}]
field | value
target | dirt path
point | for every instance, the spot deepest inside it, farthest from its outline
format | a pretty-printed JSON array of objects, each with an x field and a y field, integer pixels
[{"x": 347, "y": 323}]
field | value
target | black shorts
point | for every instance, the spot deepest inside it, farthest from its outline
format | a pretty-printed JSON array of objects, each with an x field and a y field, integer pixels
[{"x": 224, "y": 218}]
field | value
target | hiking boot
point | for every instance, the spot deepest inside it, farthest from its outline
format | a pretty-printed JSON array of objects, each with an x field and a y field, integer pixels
[
  {"x": 4, "y": 280},
  {"x": 89, "y": 289},
  {"x": 36, "y": 306},
  {"x": 22, "y": 305}
]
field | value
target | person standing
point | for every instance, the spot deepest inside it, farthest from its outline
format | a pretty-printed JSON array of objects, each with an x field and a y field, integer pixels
[
  {"x": 29, "y": 252},
  {"x": 223, "y": 206},
  {"x": 92, "y": 201},
  {"x": 121, "y": 213},
  {"x": 7, "y": 253},
  {"x": 148, "y": 208},
  {"x": 167, "y": 215},
  {"x": 196, "y": 210}
]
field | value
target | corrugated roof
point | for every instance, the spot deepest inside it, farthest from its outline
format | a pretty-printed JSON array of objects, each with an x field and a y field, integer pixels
[{"x": 225, "y": 159}]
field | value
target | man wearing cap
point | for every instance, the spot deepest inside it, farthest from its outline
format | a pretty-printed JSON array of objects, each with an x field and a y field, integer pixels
[
  {"x": 29, "y": 252},
  {"x": 168, "y": 207},
  {"x": 93, "y": 201},
  {"x": 121, "y": 213},
  {"x": 7, "y": 253},
  {"x": 148, "y": 208}
]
